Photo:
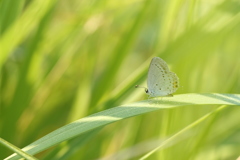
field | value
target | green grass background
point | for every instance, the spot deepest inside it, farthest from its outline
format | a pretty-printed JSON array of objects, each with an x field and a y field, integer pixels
[{"x": 64, "y": 60}]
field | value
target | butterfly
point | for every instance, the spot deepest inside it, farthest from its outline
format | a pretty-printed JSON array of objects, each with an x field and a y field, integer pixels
[{"x": 160, "y": 80}]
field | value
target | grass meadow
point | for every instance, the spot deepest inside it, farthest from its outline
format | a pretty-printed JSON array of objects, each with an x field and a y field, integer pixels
[{"x": 68, "y": 71}]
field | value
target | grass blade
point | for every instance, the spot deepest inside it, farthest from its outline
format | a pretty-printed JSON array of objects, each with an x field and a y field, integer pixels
[
  {"x": 17, "y": 150},
  {"x": 125, "y": 111},
  {"x": 175, "y": 136}
]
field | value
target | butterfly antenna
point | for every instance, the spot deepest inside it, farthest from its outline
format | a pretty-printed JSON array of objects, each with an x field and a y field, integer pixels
[{"x": 146, "y": 90}]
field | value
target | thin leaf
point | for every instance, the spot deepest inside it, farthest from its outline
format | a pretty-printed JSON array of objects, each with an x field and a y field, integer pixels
[
  {"x": 175, "y": 136},
  {"x": 22, "y": 27},
  {"x": 125, "y": 111},
  {"x": 17, "y": 150}
]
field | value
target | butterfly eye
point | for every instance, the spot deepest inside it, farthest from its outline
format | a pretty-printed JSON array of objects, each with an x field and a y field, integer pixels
[{"x": 146, "y": 90}]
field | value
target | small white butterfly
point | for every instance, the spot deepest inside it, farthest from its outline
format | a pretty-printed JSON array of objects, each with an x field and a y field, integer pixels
[{"x": 161, "y": 81}]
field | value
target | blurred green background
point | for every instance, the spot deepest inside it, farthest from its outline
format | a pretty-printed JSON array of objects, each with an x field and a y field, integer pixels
[{"x": 63, "y": 60}]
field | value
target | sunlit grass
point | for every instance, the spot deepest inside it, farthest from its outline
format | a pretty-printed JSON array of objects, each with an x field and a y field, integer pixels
[{"x": 64, "y": 60}]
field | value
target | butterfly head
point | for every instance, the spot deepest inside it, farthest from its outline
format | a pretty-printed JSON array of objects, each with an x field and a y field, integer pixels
[{"x": 146, "y": 90}]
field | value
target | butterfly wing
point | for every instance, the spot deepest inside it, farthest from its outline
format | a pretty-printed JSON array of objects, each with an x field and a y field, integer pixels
[{"x": 161, "y": 81}]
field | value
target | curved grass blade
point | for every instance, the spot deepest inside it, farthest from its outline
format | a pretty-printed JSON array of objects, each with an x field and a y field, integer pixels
[
  {"x": 182, "y": 131},
  {"x": 125, "y": 111},
  {"x": 150, "y": 147},
  {"x": 17, "y": 150}
]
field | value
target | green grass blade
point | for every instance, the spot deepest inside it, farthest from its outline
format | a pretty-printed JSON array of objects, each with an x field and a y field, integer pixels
[
  {"x": 10, "y": 10},
  {"x": 151, "y": 146},
  {"x": 122, "y": 50},
  {"x": 125, "y": 111},
  {"x": 16, "y": 149},
  {"x": 23, "y": 27},
  {"x": 184, "y": 130}
]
